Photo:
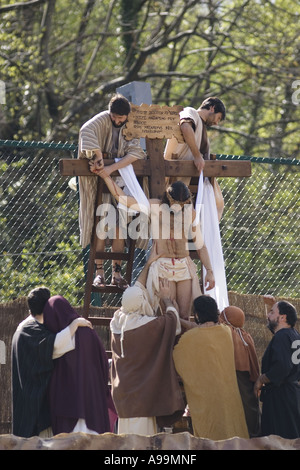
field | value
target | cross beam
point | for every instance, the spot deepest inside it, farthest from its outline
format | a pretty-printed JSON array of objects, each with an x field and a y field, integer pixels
[{"x": 157, "y": 169}]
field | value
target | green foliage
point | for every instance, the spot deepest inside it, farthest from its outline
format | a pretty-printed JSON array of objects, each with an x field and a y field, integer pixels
[{"x": 61, "y": 60}]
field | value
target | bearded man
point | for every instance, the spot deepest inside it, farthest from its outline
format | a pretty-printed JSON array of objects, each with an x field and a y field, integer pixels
[
  {"x": 278, "y": 385},
  {"x": 101, "y": 137}
]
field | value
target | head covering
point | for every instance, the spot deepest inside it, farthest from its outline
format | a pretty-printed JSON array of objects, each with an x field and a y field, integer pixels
[
  {"x": 135, "y": 301},
  {"x": 234, "y": 316},
  {"x": 244, "y": 349},
  {"x": 79, "y": 383},
  {"x": 58, "y": 314},
  {"x": 136, "y": 311}
]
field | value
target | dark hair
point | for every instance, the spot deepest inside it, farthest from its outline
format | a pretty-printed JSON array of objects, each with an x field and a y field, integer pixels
[
  {"x": 206, "y": 309},
  {"x": 218, "y": 105},
  {"x": 285, "y": 308},
  {"x": 119, "y": 105},
  {"x": 178, "y": 191},
  {"x": 37, "y": 299}
]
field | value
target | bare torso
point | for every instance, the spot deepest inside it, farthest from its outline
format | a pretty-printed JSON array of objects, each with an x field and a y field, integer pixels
[{"x": 168, "y": 231}]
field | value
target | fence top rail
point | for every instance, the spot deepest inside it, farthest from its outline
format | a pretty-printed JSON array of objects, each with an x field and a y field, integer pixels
[
  {"x": 34, "y": 144},
  {"x": 219, "y": 156}
]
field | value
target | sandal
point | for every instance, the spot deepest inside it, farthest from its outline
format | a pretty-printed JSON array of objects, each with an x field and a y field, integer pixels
[
  {"x": 99, "y": 281},
  {"x": 119, "y": 282}
]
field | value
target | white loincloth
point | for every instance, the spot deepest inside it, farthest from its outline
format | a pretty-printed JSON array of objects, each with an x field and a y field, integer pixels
[{"x": 174, "y": 269}]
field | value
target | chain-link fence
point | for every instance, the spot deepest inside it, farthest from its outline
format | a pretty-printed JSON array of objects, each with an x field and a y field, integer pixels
[{"x": 40, "y": 234}]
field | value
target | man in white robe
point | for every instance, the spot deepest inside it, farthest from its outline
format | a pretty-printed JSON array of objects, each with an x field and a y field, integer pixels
[{"x": 193, "y": 124}]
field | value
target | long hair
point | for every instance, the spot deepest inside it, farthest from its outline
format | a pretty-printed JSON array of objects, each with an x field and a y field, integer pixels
[
  {"x": 219, "y": 106},
  {"x": 177, "y": 193}
]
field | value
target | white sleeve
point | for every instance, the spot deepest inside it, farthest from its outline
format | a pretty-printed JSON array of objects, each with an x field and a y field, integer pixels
[
  {"x": 63, "y": 343},
  {"x": 178, "y": 325}
]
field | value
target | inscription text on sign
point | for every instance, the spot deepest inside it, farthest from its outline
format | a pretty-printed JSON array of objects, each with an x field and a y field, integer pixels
[{"x": 154, "y": 122}]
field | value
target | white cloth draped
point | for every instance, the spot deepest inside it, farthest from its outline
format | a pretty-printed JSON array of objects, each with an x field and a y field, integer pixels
[
  {"x": 134, "y": 188},
  {"x": 206, "y": 212}
]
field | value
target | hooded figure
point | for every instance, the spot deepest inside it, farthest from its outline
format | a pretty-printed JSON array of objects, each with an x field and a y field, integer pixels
[
  {"x": 79, "y": 395},
  {"x": 145, "y": 386},
  {"x": 246, "y": 364}
]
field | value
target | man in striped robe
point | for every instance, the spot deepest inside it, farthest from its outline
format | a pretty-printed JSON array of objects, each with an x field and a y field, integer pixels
[{"x": 102, "y": 137}]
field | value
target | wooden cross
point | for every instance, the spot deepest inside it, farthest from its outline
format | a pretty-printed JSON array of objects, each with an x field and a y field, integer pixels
[{"x": 157, "y": 169}]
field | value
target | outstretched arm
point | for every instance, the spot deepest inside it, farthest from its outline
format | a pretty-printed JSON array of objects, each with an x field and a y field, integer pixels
[
  {"x": 154, "y": 255},
  {"x": 116, "y": 191},
  {"x": 125, "y": 161}
]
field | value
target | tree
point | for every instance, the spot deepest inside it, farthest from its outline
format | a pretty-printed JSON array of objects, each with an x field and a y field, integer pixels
[{"x": 62, "y": 60}]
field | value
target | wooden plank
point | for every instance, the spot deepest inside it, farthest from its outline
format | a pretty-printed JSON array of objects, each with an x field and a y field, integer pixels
[
  {"x": 219, "y": 168},
  {"x": 80, "y": 167},
  {"x": 110, "y": 255},
  {"x": 157, "y": 168},
  {"x": 108, "y": 289},
  {"x": 100, "y": 321},
  {"x": 157, "y": 183},
  {"x": 154, "y": 122},
  {"x": 92, "y": 253}
]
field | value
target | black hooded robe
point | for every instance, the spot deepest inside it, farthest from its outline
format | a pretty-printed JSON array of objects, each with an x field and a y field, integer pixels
[
  {"x": 281, "y": 397},
  {"x": 32, "y": 365}
]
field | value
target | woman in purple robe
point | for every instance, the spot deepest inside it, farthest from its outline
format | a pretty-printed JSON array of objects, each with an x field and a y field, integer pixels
[{"x": 79, "y": 395}]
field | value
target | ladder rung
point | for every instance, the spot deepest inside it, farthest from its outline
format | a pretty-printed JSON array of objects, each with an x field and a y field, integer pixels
[
  {"x": 101, "y": 321},
  {"x": 108, "y": 289},
  {"x": 110, "y": 255}
]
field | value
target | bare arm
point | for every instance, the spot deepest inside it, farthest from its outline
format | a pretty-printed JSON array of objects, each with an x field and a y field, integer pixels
[
  {"x": 189, "y": 138},
  {"x": 204, "y": 258},
  {"x": 154, "y": 255},
  {"x": 96, "y": 163},
  {"x": 125, "y": 161},
  {"x": 116, "y": 191},
  {"x": 165, "y": 297}
]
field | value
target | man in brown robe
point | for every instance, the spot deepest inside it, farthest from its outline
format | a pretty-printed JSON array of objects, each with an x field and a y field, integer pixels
[
  {"x": 246, "y": 365},
  {"x": 145, "y": 386}
]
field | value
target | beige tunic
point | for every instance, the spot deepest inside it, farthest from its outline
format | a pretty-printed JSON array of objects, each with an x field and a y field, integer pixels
[
  {"x": 175, "y": 150},
  {"x": 204, "y": 358},
  {"x": 97, "y": 134}
]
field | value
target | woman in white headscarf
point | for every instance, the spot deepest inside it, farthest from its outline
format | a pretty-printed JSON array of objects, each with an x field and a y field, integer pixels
[{"x": 145, "y": 385}]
